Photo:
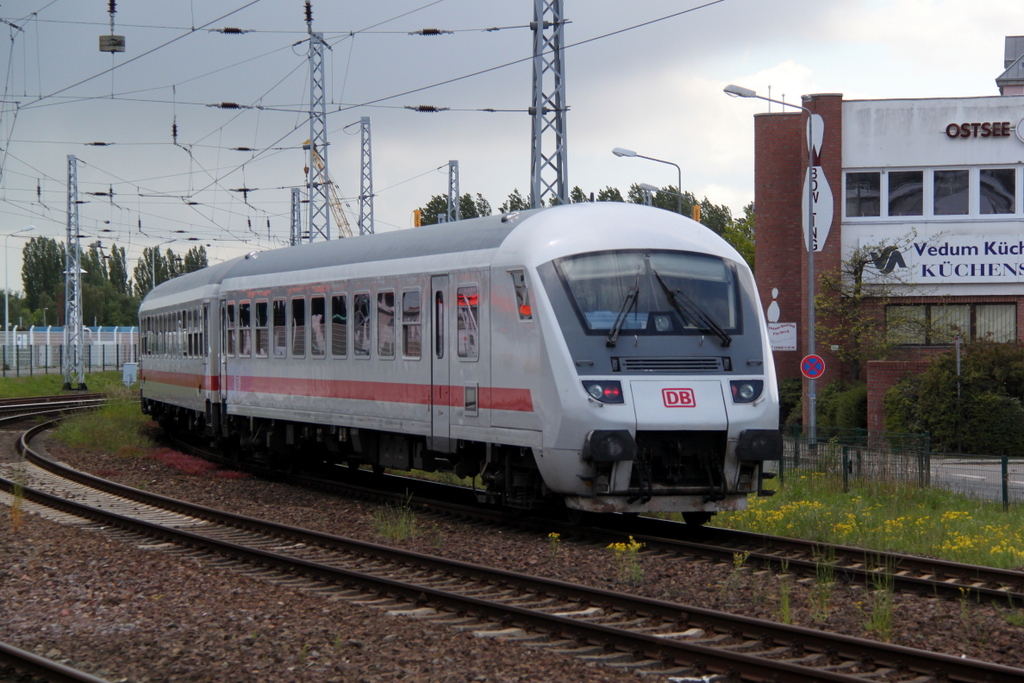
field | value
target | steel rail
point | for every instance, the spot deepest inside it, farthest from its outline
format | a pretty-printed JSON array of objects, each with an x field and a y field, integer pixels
[
  {"x": 51, "y": 671},
  {"x": 749, "y": 666}
]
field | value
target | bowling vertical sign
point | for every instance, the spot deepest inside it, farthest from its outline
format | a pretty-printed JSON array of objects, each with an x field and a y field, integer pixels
[{"x": 815, "y": 182}]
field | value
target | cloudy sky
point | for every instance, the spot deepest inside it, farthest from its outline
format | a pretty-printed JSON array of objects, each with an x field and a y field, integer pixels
[{"x": 656, "y": 89}]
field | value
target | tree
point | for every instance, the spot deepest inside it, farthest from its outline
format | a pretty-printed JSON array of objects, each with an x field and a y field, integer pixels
[
  {"x": 43, "y": 271},
  {"x": 469, "y": 207},
  {"x": 610, "y": 194},
  {"x": 740, "y": 234},
  {"x": 195, "y": 259},
  {"x": 165, "y": 266},
  {"x": 117, "y": 271},
  {"x": 851, "y": 307},
  {"x": 515, "y": 202}
]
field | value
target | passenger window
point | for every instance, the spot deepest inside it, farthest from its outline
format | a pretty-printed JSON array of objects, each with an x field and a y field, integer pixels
[
  {"x": 361, "y": 324},
  {"x": 262, "y": 330},
  {"x": 411, "y": 340},
  {"x": 339, "y": 326},
  {"x": 386, "y": 324},
  {"x": 204, "y": 330},
  {"x": 522, "y": 295},
  {"x": 244, "y": 329},
  {"x": 298, "y": 327},
  {"x": 439, "y": 324},
  {"x": 230, "y": 327},
  {"x": 468, "y": 330},
  {"x": 280, "y": 330},
  {"x": 318, "y": 340}
]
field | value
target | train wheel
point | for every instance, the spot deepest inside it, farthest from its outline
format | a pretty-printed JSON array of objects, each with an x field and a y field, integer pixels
[
  {"x": 697, "y": 518},
  {"x": 576, "y": 517}
]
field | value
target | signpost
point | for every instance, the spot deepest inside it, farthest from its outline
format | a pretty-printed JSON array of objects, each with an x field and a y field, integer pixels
[{"x": 812, "y": 366}]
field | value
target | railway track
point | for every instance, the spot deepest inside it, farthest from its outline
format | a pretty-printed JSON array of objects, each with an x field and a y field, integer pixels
[
  {"x": 40, "y": 668},
  {"x": 908, "y": 573},
  {"x": 662, "y": 639}
]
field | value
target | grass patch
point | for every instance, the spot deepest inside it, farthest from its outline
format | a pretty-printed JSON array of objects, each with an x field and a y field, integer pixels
[
  {"x": 888, "y": 517},
  {"x": 52, "y": 385},
  {"x": 117, "y": 427},
  {"x": 395, "y": 523}
]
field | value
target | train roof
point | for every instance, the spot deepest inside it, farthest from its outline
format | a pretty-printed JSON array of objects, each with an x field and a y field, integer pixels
[{"x": 562, "y": 229}]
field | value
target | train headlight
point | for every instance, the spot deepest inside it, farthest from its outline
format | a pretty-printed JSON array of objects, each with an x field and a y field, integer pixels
[
  {"x": 605, "y": 392},
  {"x": 609, "y": 445},
  {"x": 746, "y": 390}
]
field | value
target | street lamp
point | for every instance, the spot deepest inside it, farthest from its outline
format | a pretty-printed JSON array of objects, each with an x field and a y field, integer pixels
[
  {"x": 152, "y": 261},
  {"x": 620, "y": 152},
  {"x": 7, "y": 289},
  {"x": 812, "y": 413},
  {"x": 649, "y": 191}
]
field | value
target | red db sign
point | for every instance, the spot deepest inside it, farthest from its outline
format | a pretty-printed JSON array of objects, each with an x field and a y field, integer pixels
[{"x": 678, "y": 398}]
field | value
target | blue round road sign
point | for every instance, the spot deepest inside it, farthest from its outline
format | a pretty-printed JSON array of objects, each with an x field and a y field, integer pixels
[{"x": 812, "y": 366}]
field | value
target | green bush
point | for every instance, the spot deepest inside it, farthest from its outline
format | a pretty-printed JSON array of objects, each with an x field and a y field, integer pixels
[
  {"x": 978, "y": 411},
  {"x": 852, "y": 407},
  {"x": 790, "y": 392}
]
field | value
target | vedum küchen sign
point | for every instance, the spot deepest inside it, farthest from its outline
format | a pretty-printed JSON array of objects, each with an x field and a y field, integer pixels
[{"x": 949, "y": 259}]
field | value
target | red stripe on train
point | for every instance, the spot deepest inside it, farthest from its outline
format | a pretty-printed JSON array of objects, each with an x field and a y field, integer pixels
[{"x": 490, "y": 398}]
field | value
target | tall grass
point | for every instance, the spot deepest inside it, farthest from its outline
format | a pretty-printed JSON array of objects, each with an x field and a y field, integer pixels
[{"x": 888, "y": 517}]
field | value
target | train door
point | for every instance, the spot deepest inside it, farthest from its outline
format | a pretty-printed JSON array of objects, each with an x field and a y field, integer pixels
[{"x": 440, "y": 370}]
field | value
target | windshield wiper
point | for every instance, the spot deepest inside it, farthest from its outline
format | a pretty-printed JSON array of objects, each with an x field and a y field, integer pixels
[
  {"x": 632, "y": 296},
  {"x": 689, "y": 309}
]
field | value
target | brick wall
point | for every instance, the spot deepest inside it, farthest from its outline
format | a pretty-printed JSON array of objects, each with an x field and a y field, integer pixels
[{"x": 882, "y": 374}]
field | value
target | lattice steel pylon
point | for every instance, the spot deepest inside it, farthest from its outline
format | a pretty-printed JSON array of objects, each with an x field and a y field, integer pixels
[
  {"x": 318, "y": 180},
  {"x": 365, "y": 179},
  {"x": 454, "y": 207},
  {"x": 74, "y": 337},
  {"x": 548, "y": 170}
]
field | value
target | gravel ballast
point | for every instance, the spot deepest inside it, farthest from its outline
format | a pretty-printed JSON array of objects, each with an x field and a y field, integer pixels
[{"x": 121, "y": 612}]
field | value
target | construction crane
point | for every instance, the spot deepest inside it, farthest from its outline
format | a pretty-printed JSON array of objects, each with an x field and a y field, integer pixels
[{"x": 344, "y": 229}]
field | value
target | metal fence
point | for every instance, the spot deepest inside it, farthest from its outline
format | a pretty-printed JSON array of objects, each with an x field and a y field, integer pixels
[
  {"x": 40, "y": 350},
  {"x": 904, "y": 459}
]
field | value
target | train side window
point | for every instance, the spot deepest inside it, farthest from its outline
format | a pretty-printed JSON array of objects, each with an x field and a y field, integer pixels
[
  {"x": 204, "y": 330},
  {"x": 298, "y": 327},
  {"x": 439, "y": 324},
  {"x": 229, "y": 328},
  {"x": 468, "y": 327},
  {"x": 187, "y": 346},
  {"x": 411, "y": 339},
  {"x": 262, "y": 330},
  {"x": 182, "y": 331},
  {"x": 386, "y": 324},
  {"x": 280, "y": 328},
  {"x": 244, "y": 329},
  {"x": 318, "y": 333},
  {"x": 522, "y": 295},
  {"x": 339, "y": 326},
  {"x": 361, "y": 325}
]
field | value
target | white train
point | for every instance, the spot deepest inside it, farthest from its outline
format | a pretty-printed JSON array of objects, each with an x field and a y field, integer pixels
[{"x": 611, "y": 357}]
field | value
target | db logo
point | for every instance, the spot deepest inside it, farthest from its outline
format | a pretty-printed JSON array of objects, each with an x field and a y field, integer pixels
[{"x": 678, "y": 398}]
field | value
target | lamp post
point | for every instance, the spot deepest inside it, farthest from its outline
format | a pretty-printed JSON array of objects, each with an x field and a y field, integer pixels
[
  {"x": 812, "y": 399},
  {"x": 620, "y": 152},
  {"x": 7, "y": 289}
]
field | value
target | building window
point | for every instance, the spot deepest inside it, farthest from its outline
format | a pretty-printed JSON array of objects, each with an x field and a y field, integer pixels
[
  {"x": 411, "y": 339},
  {"x": 939, "y": 324},
  {"x": 952, "y": 193},
  {"x": 906, "y": 193},
  {"x": 998, "y": 190},
  {"x": 339, "y": 326},
  {"x": 863, "y": 194}
]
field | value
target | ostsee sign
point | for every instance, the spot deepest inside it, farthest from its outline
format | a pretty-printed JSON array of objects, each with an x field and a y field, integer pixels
[{"x": 952, "y": 259}]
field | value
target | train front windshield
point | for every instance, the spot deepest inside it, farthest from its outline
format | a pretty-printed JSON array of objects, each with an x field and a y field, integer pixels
[{"x": 652, "y": 293}]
